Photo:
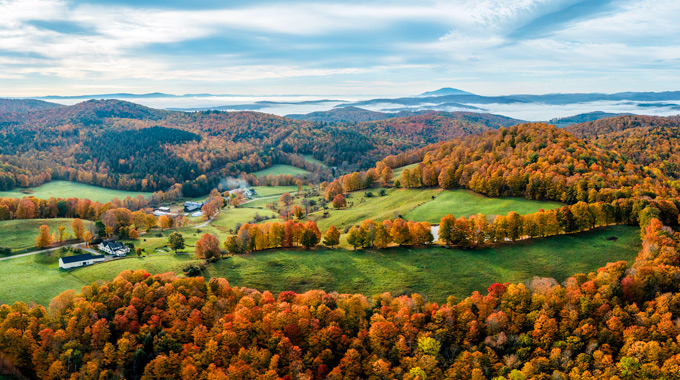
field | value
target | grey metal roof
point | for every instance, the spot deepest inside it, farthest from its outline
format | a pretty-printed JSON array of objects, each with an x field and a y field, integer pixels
[{"x": 76, "y": 258}]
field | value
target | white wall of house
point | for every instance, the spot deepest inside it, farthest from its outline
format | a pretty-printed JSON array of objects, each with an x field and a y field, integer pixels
[{"x": 76, "y": 264}]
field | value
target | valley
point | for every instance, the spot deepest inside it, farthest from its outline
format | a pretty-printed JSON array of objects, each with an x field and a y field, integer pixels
[
  {"x": 433, "y": 272},
  {"x": 450, "y": 212}
]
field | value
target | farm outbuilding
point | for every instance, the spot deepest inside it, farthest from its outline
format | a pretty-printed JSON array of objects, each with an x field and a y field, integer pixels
[{"x": 76, "y": 261}]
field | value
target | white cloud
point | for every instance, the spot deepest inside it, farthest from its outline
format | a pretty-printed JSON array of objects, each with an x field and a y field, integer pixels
[{"x": 638, "y": 35}]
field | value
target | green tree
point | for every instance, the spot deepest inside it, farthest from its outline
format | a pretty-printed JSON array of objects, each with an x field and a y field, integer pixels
[
  {"x": 354, "y": 237},
  {"x": 100, "y": 227},
  {"x": 446, "y": 226},
  {"x": 233, "y": 245},
  {"x": 176, "y": 241},
  {"x": 309, "y": 238}
]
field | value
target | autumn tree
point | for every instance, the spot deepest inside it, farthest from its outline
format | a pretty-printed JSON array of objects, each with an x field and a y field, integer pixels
[
  {"x": 332, "y": 190},
  {"x": 61, "y": 233},
  {"x": 339, "y": 201},
  {"x": 87, "y": 237},
  {"x": 354, "y": 237},
  {"x": 446, "y": 229},
  {"x": 78, "y": 228},
  {"x": 44, "y": 239},
  {"x": 165, "y": 221},
  {"x": 286, "y": 199},
  {"x": 332, "y": 237},
  {"x": 207, "y": 247},
  {"x": 233, "y": 245}
]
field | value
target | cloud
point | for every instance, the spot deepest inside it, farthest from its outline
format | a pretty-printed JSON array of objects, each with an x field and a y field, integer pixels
[{"x": 72, "y": 42}]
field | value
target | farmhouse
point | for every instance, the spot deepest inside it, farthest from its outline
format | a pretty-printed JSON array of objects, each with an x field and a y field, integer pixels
[
  {"x": 248, "y": 193},
  {"x": 76, "y": 261},
  {"x": 162, "y": 211},
  {"x": 190, "y": 206},
  {"x": 113, "y": 247}
]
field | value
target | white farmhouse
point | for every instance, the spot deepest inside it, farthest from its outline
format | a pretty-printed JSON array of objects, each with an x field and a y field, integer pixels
[
  {"x": 114, "y": 248},
  {"x": 70, "y": 262}
]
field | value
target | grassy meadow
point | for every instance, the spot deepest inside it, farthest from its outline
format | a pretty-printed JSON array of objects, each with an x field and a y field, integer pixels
[
  {"x": 466, "y": 203},
  {"x": 66, "y": 189},
  {"x": 422, "y": 205},
  {"x": 21, "y": 234},
  {"x": 280, "y": 169},
  {"x": 434, "y": 272},
  {"x": 310, "y": 158},
  {"x": 396, "y": 172},
  {"x": 268, "y": 191}
]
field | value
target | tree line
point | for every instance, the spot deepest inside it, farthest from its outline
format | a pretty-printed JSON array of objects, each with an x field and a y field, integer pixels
[{"x": 616, "y": 322}]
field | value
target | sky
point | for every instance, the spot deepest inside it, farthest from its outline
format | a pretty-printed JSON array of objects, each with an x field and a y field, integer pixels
[{"x": 337, "y": 49}]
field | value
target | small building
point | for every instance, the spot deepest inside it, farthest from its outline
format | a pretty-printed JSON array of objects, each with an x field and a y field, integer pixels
[
  {"x": 162, "y": 211},
  {"x": 197, "y": 214},
  {"x": 70, "y": 262},
  {"x": 190, "y": 206},
  {"x": 246, "y": 192},
  {"x": 114, "y": 248}
]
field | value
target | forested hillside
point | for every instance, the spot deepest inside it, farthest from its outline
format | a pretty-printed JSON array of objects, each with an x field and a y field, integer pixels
[
  {"x": 615, "y": 323},
  {"x": 534, "y": 161},
  {"x": 24, "y": 105},
  {"x": 649, "y": 141},
  {"x": 123, "y": 145}
]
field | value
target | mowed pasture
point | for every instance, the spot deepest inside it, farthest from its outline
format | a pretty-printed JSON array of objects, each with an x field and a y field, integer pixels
[
  {"x": 310, "y": 158},
  {"x": 280, "y": 169},
  {"x": 466, "y": 203},
  {"x": 434, "y": 272},
  {"x": 421, "y": 205},
  {"x": 66, "y": 189},
  {"x": 21, "y": 234}
]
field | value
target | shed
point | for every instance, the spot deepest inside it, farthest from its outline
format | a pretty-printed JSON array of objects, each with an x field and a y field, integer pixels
[{"x": 69, "y": 262}]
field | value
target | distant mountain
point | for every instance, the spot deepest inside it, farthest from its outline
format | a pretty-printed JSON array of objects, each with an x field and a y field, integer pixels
[
  {"x": 24, "y": 105},
  {"x": 433, "y": 102},
  {"x": 673, "y": 106},
  {"x": 349, "y": 115},
  {"x": 256, "y": 106},
  {"x": 123, "y": 95},
  {"x": 563, "y": 122},
  {"x": 446, "y": 91}
]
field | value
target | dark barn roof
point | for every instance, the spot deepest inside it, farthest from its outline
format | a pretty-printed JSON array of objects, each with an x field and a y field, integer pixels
[{"x": 77, "y": 258}]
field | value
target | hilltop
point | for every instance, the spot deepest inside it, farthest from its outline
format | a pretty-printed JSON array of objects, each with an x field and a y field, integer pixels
[
  {"x": 24, "y": 105},
  {"x": 127, "y": 146}
]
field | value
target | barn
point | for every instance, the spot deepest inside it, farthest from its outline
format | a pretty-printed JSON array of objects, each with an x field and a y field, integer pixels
[{"x": 70, "y": 262}]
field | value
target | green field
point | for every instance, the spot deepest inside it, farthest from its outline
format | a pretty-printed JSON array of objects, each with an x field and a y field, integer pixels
[
  {"x": 21, "y": 234},
  {"x": 268, "y": 191},
  {"x": 310, "y": 158},
  {"x": 397, "y": 202},
  {"x": 229, "y": 218},
  {"x": 65, "y": 189},
  {"x": 422, "y": 205},
  {"x": 279, "y": 169},
  {"x": 466, "y": 203},
  {"x": 434, "y": 272},
  {"x": 396, "y": 172}
]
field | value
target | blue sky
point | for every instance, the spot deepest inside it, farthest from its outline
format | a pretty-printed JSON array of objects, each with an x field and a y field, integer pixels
[{"x": 343, "y": 49}]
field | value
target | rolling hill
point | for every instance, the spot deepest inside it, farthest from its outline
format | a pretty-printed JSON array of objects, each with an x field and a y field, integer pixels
[
  {"x": 123, "y": 145},
  {"x": 25, "y": 105}
]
